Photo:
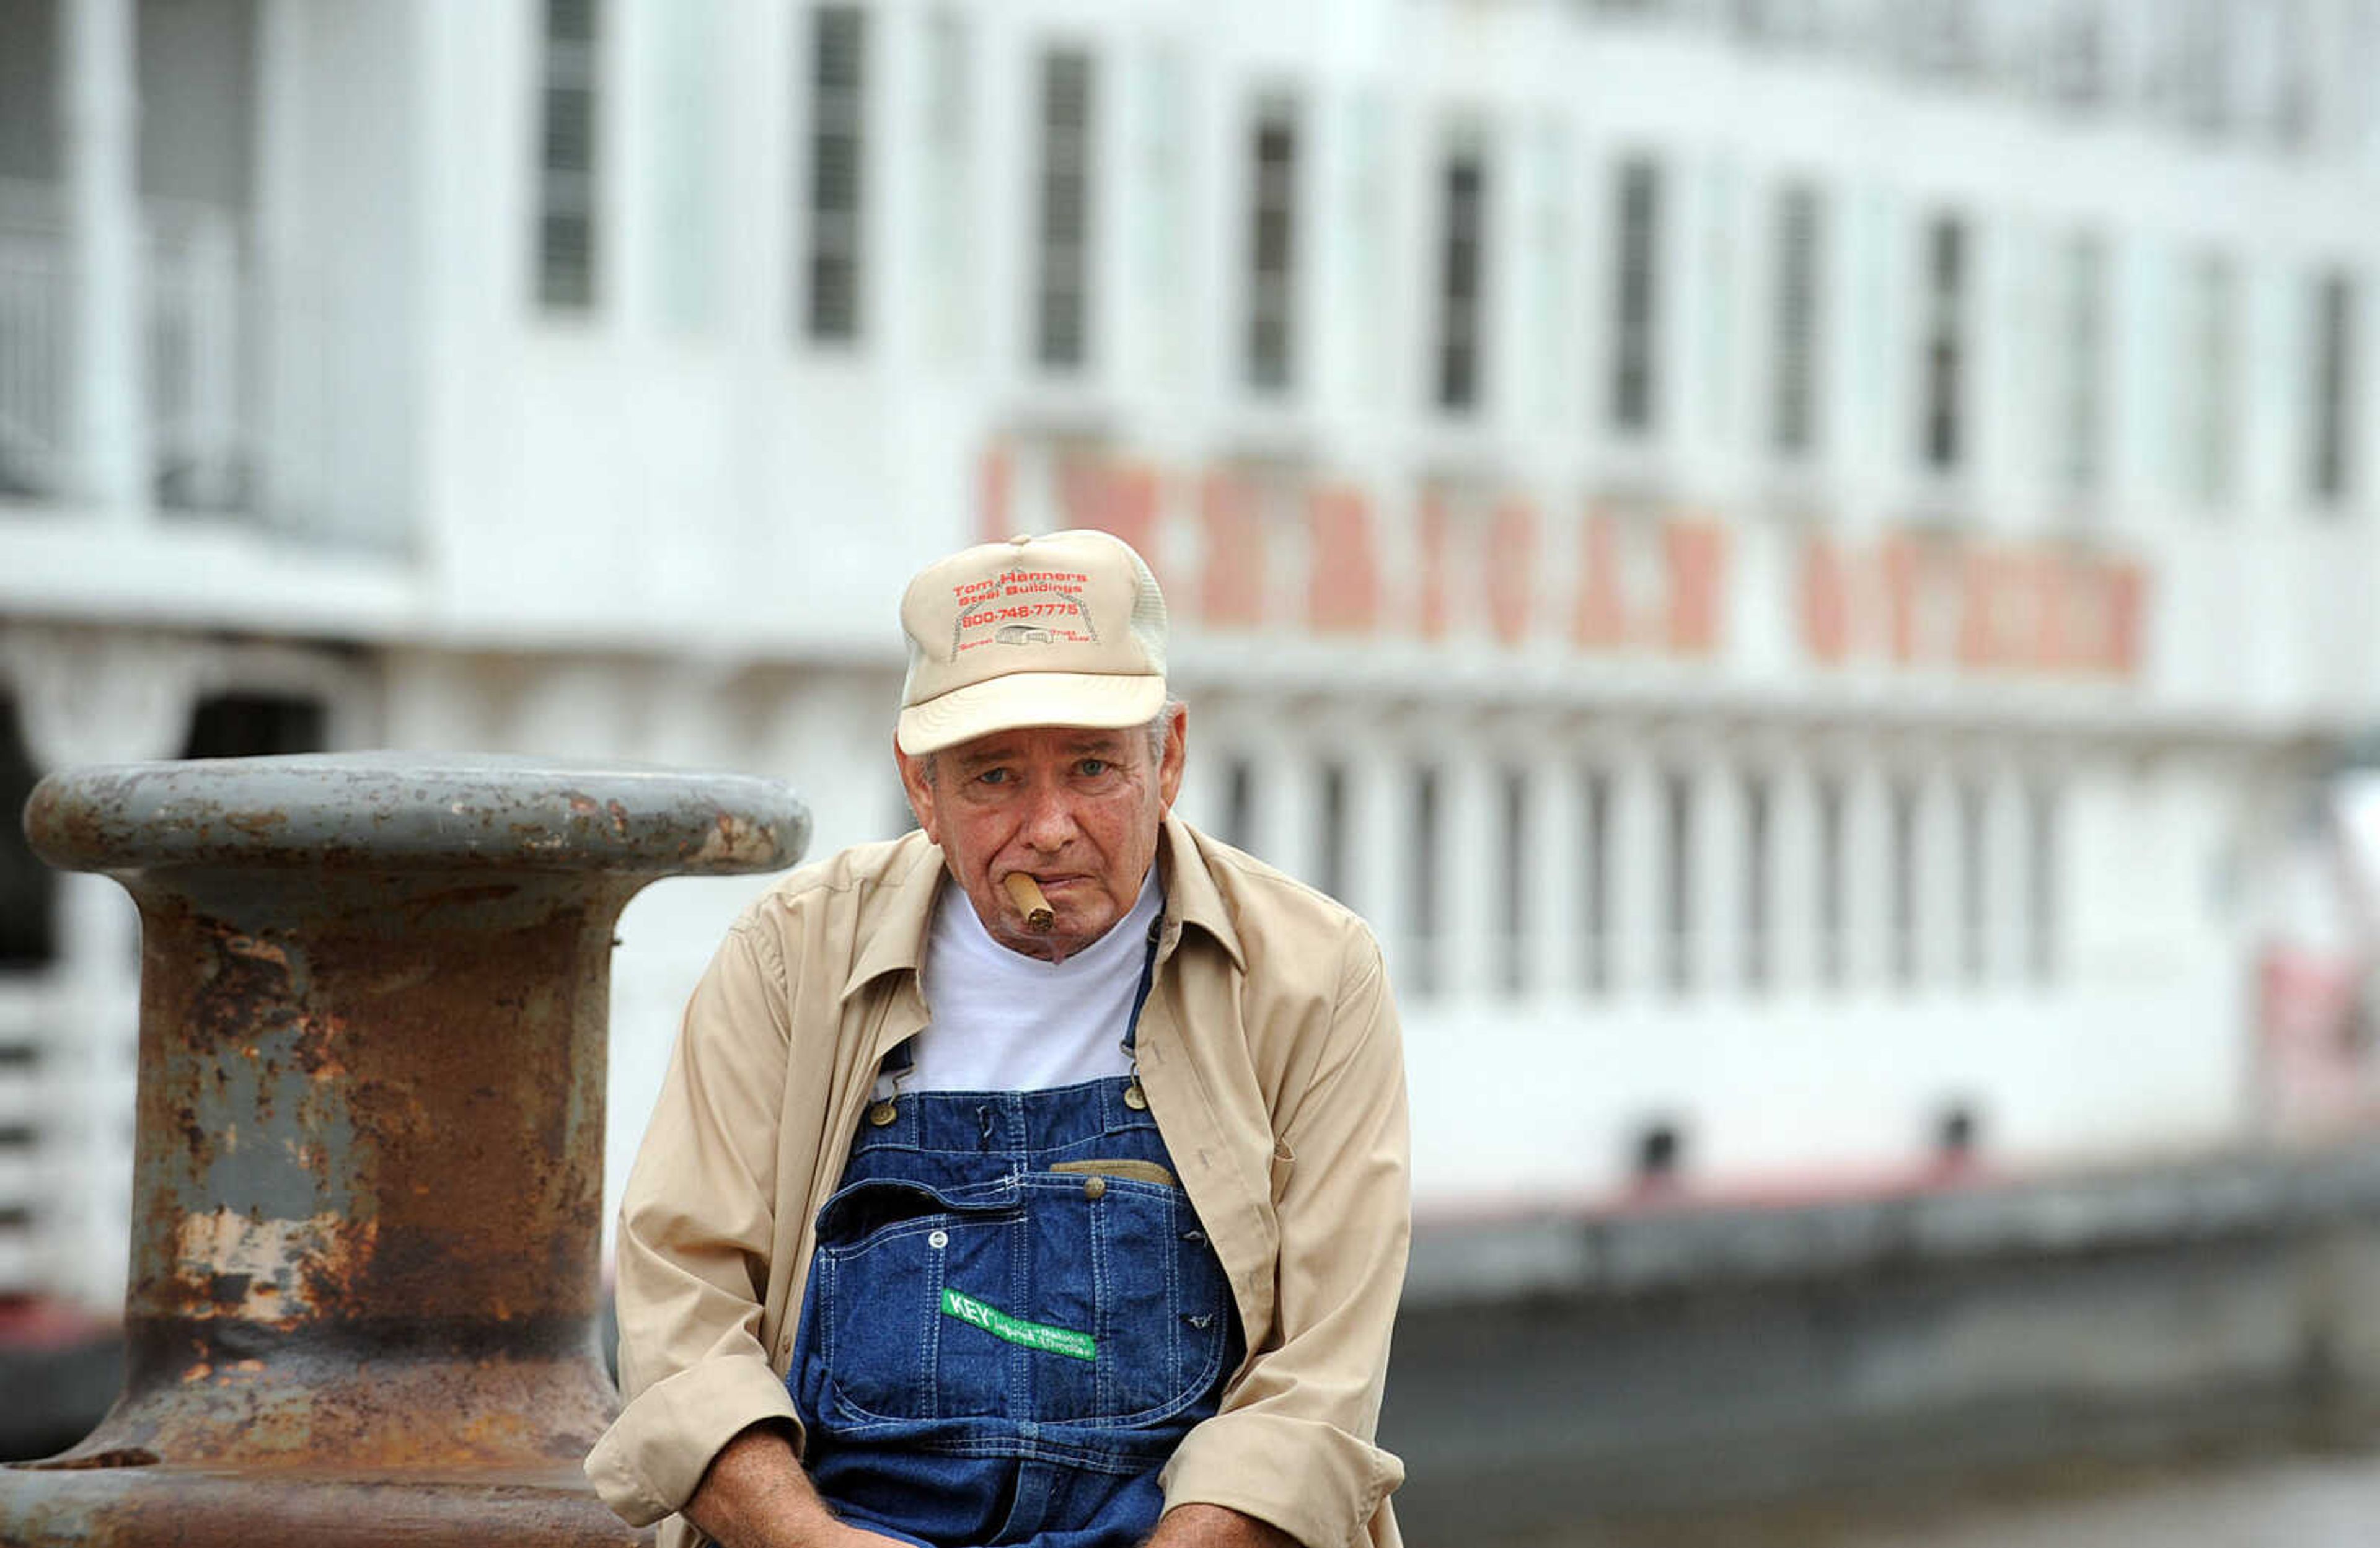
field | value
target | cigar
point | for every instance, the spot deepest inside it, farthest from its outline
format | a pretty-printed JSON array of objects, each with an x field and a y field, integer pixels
[{"x": 1026, "y": 894}]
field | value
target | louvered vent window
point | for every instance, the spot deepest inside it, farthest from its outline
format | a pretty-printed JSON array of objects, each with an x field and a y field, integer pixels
[
  {"x": 568, "y": 251},
  {"x": 1635, "y": 333},
  {"x": 838, "y": 77},
  {"x": 1273, "y": 250},
  {"x": 1795, "y": 425},
  {"x": 1063, "y": 281}
]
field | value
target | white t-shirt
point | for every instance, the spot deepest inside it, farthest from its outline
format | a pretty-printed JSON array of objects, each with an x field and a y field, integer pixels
[{"x": 1001, "y": 1021}]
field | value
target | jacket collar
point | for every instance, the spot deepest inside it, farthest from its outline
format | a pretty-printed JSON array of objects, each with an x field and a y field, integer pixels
[
  {"x": 894, "y": 928},
  {"x": 1190, "y": 895},
  {"x": 893, "y": 923}
]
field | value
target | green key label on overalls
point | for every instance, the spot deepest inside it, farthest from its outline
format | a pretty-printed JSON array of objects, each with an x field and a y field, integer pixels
[{"x": 1033, "y": 1335}]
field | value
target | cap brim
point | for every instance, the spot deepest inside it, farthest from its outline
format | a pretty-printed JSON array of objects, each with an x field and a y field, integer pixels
[{"x": 1028, "y": 698}]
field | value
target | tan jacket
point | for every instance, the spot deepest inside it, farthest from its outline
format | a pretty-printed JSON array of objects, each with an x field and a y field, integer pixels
[{"x": 1272, "y": 1057}]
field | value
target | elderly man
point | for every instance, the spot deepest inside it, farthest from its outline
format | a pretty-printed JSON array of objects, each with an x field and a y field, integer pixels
[{"x": 1038, "y": 1177}]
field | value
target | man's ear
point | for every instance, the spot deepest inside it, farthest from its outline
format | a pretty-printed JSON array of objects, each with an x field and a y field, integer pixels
[{"x": 922, "y": 790}]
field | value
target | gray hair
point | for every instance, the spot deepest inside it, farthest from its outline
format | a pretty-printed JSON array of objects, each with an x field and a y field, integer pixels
[{"x": 1159, "y": 725}]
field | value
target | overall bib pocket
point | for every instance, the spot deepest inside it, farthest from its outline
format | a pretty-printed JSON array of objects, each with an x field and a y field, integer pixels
[
  {"x": 887, "y": 1250},
  {"x": 1070, "y": 1299}
]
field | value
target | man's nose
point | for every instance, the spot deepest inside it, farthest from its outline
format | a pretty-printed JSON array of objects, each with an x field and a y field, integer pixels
[{"x": 1049, "y": 820}]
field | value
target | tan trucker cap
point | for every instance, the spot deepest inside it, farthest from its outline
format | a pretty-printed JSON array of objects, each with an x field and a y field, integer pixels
[{"x": 1063, "y": 629}]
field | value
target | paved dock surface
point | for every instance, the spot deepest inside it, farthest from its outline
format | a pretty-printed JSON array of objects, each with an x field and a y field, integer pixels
[
  {"x": 2298, "y": 1501},
  {"x": 2309, "y": 1504}
]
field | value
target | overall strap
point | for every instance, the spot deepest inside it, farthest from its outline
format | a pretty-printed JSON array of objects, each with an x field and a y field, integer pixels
[{"x": 1147, "y": 980}]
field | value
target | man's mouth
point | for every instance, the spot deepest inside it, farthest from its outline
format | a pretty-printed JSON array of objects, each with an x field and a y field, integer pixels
[{"x": 1025, "y": 893}]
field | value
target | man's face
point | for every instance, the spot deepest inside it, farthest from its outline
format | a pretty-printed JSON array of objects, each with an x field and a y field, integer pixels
[{"x": 1076, "y": 810}]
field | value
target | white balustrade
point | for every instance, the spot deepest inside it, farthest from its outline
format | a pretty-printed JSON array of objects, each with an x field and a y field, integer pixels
[{"x": 198, "y": 360}]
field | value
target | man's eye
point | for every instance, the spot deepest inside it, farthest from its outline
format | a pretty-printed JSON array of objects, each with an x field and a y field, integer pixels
[
  {"x": 1091, "y": 768},
  {"x": 993, "y": 777}
]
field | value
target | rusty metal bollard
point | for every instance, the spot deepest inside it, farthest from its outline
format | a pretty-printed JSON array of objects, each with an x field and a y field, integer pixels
[{"x": 369, "y": 1172}]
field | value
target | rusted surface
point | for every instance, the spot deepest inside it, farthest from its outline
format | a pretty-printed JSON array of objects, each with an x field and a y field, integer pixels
[
  {"x": 367, "y": 1173},
  {"x": 237, "y": 1509}
]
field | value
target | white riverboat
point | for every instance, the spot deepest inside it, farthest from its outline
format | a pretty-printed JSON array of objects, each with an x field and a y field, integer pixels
[{"x": 1799, "y": 559}]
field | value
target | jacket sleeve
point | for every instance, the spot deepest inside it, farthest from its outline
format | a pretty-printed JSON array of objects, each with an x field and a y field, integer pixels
[
  {"x": 696, "y": 1223},
  {"x": 1293, "y": 1444}
]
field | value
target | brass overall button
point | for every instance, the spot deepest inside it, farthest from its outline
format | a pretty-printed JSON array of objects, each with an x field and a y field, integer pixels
[
  {"x": 883, "y": 1114},
  {"x": 1094, "y": 1187}
]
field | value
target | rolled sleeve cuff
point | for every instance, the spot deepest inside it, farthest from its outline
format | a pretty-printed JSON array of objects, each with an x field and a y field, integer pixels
[
  {"x": 1319, "y": 1484},
  {"x": 653, "y": 1458}
]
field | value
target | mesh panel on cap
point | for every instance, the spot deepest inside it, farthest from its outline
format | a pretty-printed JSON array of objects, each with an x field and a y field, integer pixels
[{"x": 1148, "y": 622}]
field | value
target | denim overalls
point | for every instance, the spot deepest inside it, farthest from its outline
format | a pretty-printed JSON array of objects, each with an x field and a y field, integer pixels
[{"x": 1012, "y": 1318}]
